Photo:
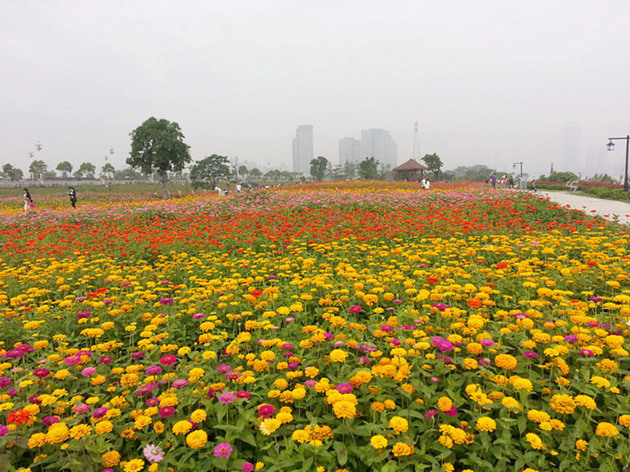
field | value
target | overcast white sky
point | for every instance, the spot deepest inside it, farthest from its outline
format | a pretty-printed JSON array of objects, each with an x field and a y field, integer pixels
[{"x": 488, "y": 81}]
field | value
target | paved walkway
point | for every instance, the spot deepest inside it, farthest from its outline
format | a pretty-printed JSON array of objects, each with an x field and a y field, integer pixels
[{"x": 595, "y": 206}]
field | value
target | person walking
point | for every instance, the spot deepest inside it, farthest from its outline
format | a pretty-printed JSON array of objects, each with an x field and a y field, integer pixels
[
  {"x": 72, "y": 193},
  {"x": 28, "y": 200}
]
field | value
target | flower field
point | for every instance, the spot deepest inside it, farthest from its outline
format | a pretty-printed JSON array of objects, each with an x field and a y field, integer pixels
[{"x": 330, "y": 327}]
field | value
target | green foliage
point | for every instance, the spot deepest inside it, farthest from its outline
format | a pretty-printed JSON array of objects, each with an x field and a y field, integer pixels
[
  {"x": 560, "y": 177},
  {"x": 207, "y": 172},
  {"x": 65, "y": 168},
  {"x": 476, "y": 173},
  {"x": 319, "y": 165},
  {"x": 86, "y": 170},
  {"x": 603, "y": 178},
  {"x": 434, "y": 163},
  {"x": 10, "y": 172},
  {"x": 38, "y": 168},
  {"x": 158, "y": 146},
  {"x": 368, "y": 168}
]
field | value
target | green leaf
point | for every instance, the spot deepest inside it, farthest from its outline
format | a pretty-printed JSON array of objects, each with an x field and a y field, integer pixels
[{"x": 342, "y": 452}]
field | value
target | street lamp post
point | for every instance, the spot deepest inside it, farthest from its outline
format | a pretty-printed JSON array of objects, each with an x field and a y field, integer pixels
[
  {"x": 611, "y": 147},
  {"x": 521, "y": 177}
]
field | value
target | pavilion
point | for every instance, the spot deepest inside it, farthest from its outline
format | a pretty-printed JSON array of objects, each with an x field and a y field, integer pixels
[{"x": 409, "y": 170}]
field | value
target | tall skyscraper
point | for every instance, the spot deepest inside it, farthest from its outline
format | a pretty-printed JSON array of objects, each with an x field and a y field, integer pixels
[
  {"x": 349, "y": 151},
  {"x": 303, "y": 149},
  {"x": 379, "y": 144}
]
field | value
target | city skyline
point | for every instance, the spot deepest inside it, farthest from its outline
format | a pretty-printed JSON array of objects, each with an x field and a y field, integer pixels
[{"x": 488, "y": 82}]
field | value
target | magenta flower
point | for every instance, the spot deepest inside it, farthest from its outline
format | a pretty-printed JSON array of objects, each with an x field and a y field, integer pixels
[
  {"x": 153, "y": 453},
  {"x": 100, "y": 412},
  {"x": 442, "y": 344},
  {"x": 81, "y": 408},
  {"x": 166, "y": 411},
  {"x": 223, "y": 450},
  {"x": 430, "y": 414},
  {"x": 344, "y": 388},
  {"x": 106, "y": 360},
  {"x": 166, "y": 301},
  {"x": 154, "y": 370},
  {"x": 199, "y": 316},
  {"x": 227, "y": 397},
  {"x": 386, "y": 328},
  {"x": 355, "y": 309},
  {"x": 41, "y": 373},
  {"x": 266, "y": 411},
  {"x": 168, "y": 360},
  {"x": 179, "y": 383},
  {"x": 223, "y": 368},
  {"x": 83, "y": 314},
  {"x": 243, "y": 394},
  {"x": 248, "y": 467}
]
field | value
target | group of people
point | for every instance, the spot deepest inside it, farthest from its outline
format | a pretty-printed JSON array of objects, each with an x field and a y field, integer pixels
[
  {"x": 507, "y": 181},
  {"x": 425, "y": 184},
  {"x": 29, "y": 204}
]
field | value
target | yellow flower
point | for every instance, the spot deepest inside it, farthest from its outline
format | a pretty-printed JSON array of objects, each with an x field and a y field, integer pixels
[
  {"x": 585, "y": 401},
  {"x": 37, "y": 440},
  {"x": 344, "y": 409},
  {"x": 485, "y": 424},
  {"x": 58, "y": 432},
  {"x": 445, "y": 404},
  {"x": 398, "y": 424},
  {"x": 134, "y": 465},
  {"x": 581, "y": 444},
  {"x": 77, "y": 432},
  {"x": 198, "y": 416},
  {"x": 563, "y": 403},
  {"x": 402, "y": 449},
  {"x": 535, "y": 441},
  {"x": 197, "y": 439},
  {"x": 600, "y": 381},
  {"x": 103, "y": 427},
  {"x": 506, "y": 361},
  {"x": 606, "y": 429},
  {"x": 624, "y": 420},
  {"x": 110, "y": 458},
  {"x": 269, "y": 426},
  {"x": 338, "y": 355},
  {"x": 378, "y": 442},
  {"x": 182, "y": 427}
]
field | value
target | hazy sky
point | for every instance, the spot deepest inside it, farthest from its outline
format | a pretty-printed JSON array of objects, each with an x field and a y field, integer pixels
[{"x": 488, "y": 81}]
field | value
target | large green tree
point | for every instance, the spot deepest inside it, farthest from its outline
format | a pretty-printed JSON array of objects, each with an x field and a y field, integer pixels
[
  {"x": 158, "y": 146},
  {"x": 319, "y": 165},
  {"x": 207, "y": 172},
  {"x": 11, "y": 172},
  {"x": 37, "y": 169},
  {"x": 368, "y": 168},
  {"x": 85, "y": 170},
  {"x": 65, "y": 168},
  {"x": 434, "y": 164}
]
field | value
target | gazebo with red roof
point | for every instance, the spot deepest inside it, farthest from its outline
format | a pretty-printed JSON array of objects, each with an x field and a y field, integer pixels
[{"x": 408, "y": 171}]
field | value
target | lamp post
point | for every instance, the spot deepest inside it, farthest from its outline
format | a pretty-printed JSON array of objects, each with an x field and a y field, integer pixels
[
  {"x": 520, "y": 183},
  {"x": 611, "y": 147}
]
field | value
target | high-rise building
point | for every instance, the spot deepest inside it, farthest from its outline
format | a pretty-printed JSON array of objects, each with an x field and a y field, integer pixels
[
  {"x": 379, "y": 144},
  {"x": 349, "y": 151},
  {"x": 303, "y": 149}
]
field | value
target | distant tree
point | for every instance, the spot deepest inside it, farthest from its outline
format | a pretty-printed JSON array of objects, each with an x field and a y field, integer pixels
[
  {"x": 37, "y": 169},
  {"x": 476, "y": 173},
  {"x": 318, "y": 168},
  {"x": 50, "y": 174},
  {"x": 128, "y": 174},
  {"x": 255, "y": 173},
  {"x": 12, "y": 173},
  {"x": 65, "y": 168},
  {"x": 158, "y": 145},
  {"x": 207, "y": 172},
  {"x": 349, "y": 170},
  {"x": 434, "y": 164},
  {"x": 243, "y": 171},
  {"x": 85, "y": 170},
  {"x": 560, "y": 177},
  {"x": 368, "y": 168},
  {"x": 108, "y": 171},
  {"x": 603, "y": 178}
]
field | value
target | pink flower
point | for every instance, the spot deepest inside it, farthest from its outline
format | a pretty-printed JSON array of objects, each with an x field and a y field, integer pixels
[
  {"x": 223, "y": 368},
  {"x": 355, "y": 309},
  {"x": 223, "y": 450},
  {"x": 227, "y": 397},
  {"x": 266, "y": 411},
  {"x": 166, "y": 411},
  {"x": 344, "y": 388},
  {"x": 153, "y": 453},
  {"x": 179, "y": 383},
  {"x": 88, "y": 372},
  {"x": 243, "y": 394},
  {"x": 154, "y": 370}
]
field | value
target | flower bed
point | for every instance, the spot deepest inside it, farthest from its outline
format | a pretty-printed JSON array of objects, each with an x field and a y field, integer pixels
[{"x": 349, "y": 327}]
